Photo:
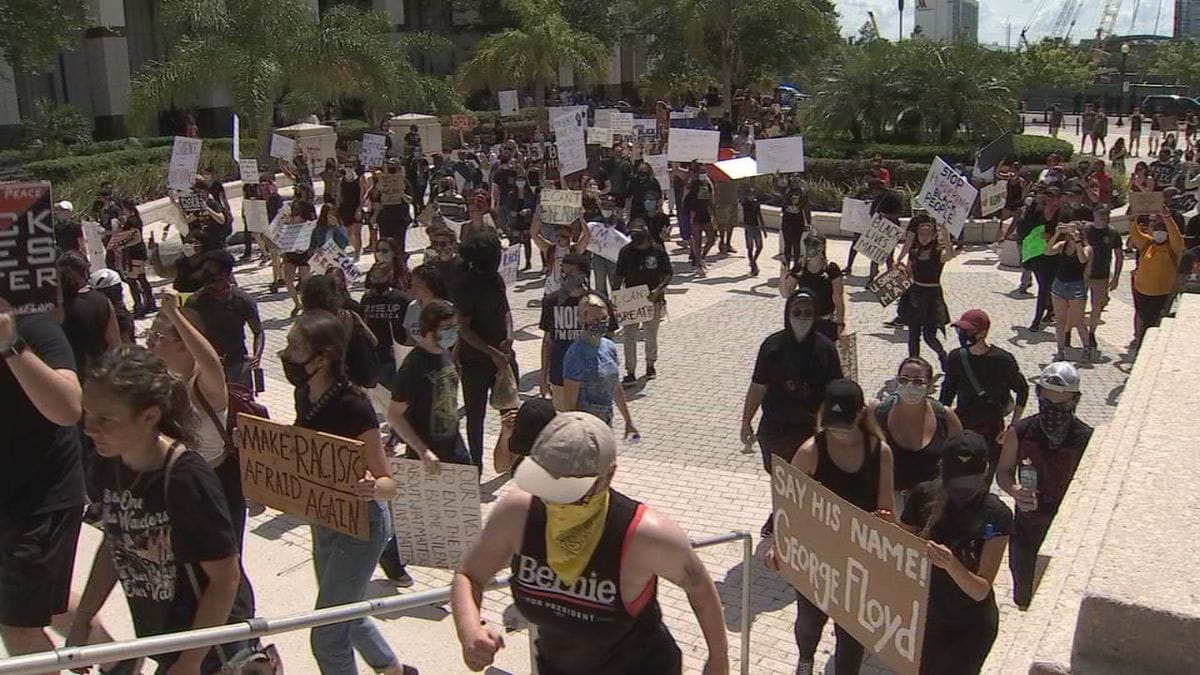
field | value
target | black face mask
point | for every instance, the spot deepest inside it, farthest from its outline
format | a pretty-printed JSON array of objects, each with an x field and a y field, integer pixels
[
  {"x": 1055, "y": 419},
  {"x": 296, "y": 372},
  {"x": 967, "y": 339}
]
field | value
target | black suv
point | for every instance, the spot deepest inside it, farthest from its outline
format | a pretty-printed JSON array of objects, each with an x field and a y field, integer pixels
[{"x": 1170, "y": 105}]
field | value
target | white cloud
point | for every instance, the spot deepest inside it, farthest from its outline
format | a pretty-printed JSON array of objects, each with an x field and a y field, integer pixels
[{"x": 996, "y": 15}]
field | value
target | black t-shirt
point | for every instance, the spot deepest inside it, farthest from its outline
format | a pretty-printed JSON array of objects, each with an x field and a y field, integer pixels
[
  {"x": 792, "y": 214},
  {"x": 795, "y": 375},
  {"x": 1162, "y": 173},
  {"x": 619, "y": 176},
  {"x": 481, "y": 299},
  {"x": 225, "y": 321},
  {"x": 964, "y": 532},
  {"x": 998, "y": 376},
  {"x": 560, "y": 322},
  {"x": 347, "y": 413},
  {"x": 726, "y": 129},
  {"x": 505, "y": 179},
  {"x": 820, "y": 284},
  {"x": 887, "y": 203},
  {"x": 751, "y": 212},
  {"x": 156, "y": 531},
  {"x": 428, "y": 383},
  {"x": 449, "y": 270},
  {"x": 1103, "y": 242},
  {"x": 40, "y": 468},
  {"x": 384, "y": 315},
  {"x": 643, "y": 267},
  {"x": 85, "y": 321},
  {"x": 67, "y": 235},
  {"x": 699, "y": 200}
]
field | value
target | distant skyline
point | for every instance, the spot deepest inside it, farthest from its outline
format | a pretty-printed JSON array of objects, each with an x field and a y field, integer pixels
[{"x": 995, "y": 15}]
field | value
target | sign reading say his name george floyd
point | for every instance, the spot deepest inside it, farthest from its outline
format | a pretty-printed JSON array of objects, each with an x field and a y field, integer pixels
[
  {"x": 304, "y": 473},
  {"x": 28, "y": 278},
  {"x": 437, "y": 516},
  {"x": 869, "y": 576}
]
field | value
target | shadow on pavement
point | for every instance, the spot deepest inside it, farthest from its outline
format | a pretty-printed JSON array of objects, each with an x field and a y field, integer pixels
[{"x": 768, "y": 591}]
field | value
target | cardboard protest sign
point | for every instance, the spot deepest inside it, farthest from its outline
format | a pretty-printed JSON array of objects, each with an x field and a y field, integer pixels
[
  {"x": 561, "y": 207},
  {"x": 879, "y": 239},
  {"x": 509, "y": 104},
  {"x": 847, "y": 349},
  {"x": 248, "y": 170},
  {"x": 686, "y": 145},
  {"x": 890, "y": 285},
  {"x": 632, "y": 305},
  {"x": 282, "y": 147},
  {"x": 93, "y": 237},
  {"x": 185, "y": 159},
  {"x": 947, "y": 196},
  {"x": 856, "y": 215},
  {"x": 602, "y": 136},
  {"x": 783, "y": 155},
  {"x": 373, "y": 150},
  {"x": 123, "y": 239},
  {"x": 555, "y": 112},
  {"x": 316, "y": 150},
  {"x": 254, "y": 214},
  {"x": 291, "y": 237},
  {"x": 304, "y": 473},
  {"x": 991, "y": 198},
  {"x": 391, "y": 188},
  {"x": 868, "y": 575},
  {"x": 436, "y": 516},
  {"x": 606, "y": 241},
  {"x": 462, "y": 122},
  {"x": 510, "y": 263},
  {"x": 28, "y": 276},
  {"x": 190, "y": 202},
  {"x": 621, "y": 123},
  {"x": 660, "y": 166},
  {"x": 1145, "y": 203}
]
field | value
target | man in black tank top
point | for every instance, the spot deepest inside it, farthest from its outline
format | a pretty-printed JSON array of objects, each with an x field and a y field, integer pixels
[{"x": 585, "y": 565}]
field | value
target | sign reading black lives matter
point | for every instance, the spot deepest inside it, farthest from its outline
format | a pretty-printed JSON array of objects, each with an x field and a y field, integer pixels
[
  {"x": 304, "y": 473},
  {"x": 868, "y": 575},
  {"x": 28, "y": 277},
  {"x": 436, "y": 516},
  {"x": 879, "y": 240}
]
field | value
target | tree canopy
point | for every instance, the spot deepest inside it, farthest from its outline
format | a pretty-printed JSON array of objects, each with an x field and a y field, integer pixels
[
  {"x": 1178, "y": 61},
  {"x": 1055, "y": 64},
  {"x": 33, "y": 31}
]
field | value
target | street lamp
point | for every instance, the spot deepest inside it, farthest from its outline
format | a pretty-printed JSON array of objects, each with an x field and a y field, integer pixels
[{"x": 1125, "y": 49}]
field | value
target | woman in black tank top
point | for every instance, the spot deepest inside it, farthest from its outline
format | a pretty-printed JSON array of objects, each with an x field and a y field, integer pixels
[
  {"x": 849, "y": 456},
  {"x": 1069, "y": 292},
  {"x": 923, "y": 307}
]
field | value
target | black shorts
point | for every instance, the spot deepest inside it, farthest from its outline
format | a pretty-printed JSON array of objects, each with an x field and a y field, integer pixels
[{"x": 37, "y": 558}]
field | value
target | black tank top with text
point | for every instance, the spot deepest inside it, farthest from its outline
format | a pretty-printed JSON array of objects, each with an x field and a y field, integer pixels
[{"x": 587, "y": 628}]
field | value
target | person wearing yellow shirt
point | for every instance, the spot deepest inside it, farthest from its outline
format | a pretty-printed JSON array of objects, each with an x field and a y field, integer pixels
[{"x": 1160, "y": 247}]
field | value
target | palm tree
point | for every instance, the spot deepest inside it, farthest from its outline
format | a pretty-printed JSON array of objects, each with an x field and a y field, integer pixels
[
  {"x": 269, "y": 52},
  {"x": 531, "y": 54},
  {"x": 955, "y": 84},
  {"x": 858, "y": 92}
]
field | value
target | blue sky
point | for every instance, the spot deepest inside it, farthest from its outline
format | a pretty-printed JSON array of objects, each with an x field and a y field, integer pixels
[{"x": 995, "y": 14}]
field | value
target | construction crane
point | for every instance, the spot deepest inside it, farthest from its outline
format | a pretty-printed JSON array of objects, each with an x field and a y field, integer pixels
[
  {"x": 1133, "y": 19},
  {"x": 1064, "y": 23},
  {"x": 1108, "y": 18}
]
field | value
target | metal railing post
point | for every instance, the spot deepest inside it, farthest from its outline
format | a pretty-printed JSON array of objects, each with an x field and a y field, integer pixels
[{"x": 747, "y": 557}]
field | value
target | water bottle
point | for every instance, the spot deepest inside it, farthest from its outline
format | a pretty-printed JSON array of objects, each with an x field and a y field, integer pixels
[{"x": 1027, "y": 477}]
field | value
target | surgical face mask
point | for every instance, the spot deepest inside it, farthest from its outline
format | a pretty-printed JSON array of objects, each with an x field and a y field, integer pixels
[
  {"x": 189, "y": 250},
  {"x": 913, "y": 394},
  {"x": 448, "y": 337},
  {"x": 1159, "y": 236},
  {"x": 296, "y": 372},
  {"x": 651, "y": 205}
]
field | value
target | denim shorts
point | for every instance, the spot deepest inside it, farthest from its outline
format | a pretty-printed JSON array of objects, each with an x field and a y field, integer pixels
[{"x": 1069, "y": 290}]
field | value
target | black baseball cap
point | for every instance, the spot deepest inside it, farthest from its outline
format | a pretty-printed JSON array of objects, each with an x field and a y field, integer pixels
[
  {"x": 532, "y": 417},
  {"x": 964, "y": 454},
  {"x": 843, "y": 402}
]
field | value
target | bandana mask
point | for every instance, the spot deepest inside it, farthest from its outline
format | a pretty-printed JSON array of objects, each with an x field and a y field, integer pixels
[
  {"x": 572, "y": 533},
  {"x": 1055, "y": 420}
]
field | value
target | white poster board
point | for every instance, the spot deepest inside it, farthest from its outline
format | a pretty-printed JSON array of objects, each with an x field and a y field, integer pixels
[
  {"x": 254, "y": 213},
  {"x": 509, "y": 105},
  {"x": 572, "y": 151},
  {"x": 291, "y": 237},
  {"x": 686, "y": 145},
  {"x": 603, "y": 117},
  {"x": 947, "y": 196},
  {"x": 510, "y": 263},
  {"x": 554, "y": 112},
  {"x": 93, "y": 237},
  {"x": 248, "y": 170},
  {"x": 185, "y": 160},
  {"x": 602, "y": 136},
  {"x": 658, "y": 164},
  {"x": 879, "y": 240},
  {"x": 621, "y": 123},
  {"x": 783, "y": 155},
  {"x": 330, "y": 256},
  {"x": 856, "y": 215},
  {"x": 991, "y": 198},
  {"x": 561, "y": 207},
  {"x": 282, "y": 147},
  {"x": 632, "y": 305},
  {"x": 436, "y": 516},
  {"x": 373, "y": 150},
  {"x": 606, "y": 241}
]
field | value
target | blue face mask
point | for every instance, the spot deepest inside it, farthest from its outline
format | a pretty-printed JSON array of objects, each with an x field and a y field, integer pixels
[
  {"x": 448, "y": 337},
  {"x": 651, "y": 205}
]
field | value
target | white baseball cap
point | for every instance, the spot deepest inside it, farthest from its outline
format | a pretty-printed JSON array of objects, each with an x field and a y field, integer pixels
[
  {"x": 1059, "y": 376},
  {"x": 65, "y": 206}
]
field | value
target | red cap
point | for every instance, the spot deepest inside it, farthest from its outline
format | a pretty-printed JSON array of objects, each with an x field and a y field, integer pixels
[{"x": 974, "y": 320}]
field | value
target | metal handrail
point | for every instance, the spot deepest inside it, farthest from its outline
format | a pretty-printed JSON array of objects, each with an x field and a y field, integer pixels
[{"x": 65, "y": 658}]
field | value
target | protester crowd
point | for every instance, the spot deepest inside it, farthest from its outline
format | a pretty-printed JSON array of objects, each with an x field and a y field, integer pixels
[{"x": 141, "y": 441}]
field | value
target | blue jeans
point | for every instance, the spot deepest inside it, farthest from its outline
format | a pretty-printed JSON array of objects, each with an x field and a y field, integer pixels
[{"x": 344, "y": 565}]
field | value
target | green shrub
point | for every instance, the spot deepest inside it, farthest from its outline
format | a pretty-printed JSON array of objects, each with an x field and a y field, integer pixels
[
  {"x": 1028, "y": 150},
  {"x": 352, "y": 130}
]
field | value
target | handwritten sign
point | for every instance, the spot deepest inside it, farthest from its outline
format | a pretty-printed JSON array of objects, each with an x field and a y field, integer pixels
[
  {"x": 632, "y": 305},
  {"x": 947, "y": 196},
  {"x": 606, "y": 241},
  {"x": 868, "y": 575},
  {"x": 291, "y": 237},
  {"x": 437, "y": 517},
  {"x": 93, "y": 237},
  {"x": 847, "y": 349},
  {"x": 890, "y": 285},
  {"x": 856, "y": 215},
  {"x": 510, "y": 263},
  {"x": 561, "y": 207},
  {"x": 686, "y": 145},
  {"x": 992, "y": 197},
  {"x": 659, "y": 165},
  {"x": 879, "y": 240},
  {"x": 1145, "y": 203},
  {"x": 372, "y": 150},
  {"x": 305, "y": 473},
  {"x": 248, "y": 170},
  {"x": 462, "y": 122},
  {"x": 1168, "y": 124},
  {"x": 602, "y": 136},
  {"x": 391, "y": 188},
  {"x": 190, "y": 202},
  {"x": 509, "y": 105},
  {"x": 28, "y": 277},
  {"x": 185, "y": 159},
  {"x": 783, "y": 155},
  {"x": 603, "y": 117},
  {"x": 254, "y": 214},
  {"x": 621, "y": 123},
  {"x": 282, "y": 147},
  {"x": 332, "y": 256},
  {"x": 572, "y": 150}
]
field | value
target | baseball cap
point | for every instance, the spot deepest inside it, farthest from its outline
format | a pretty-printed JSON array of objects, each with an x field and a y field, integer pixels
[
  {"x": 843, "y": 401},
  {"x": 964, "y": 454},
  {"x": 1059, "y": 376},
  {"x": 570, "y": 453},
  {"x": 532, "y": 417},
  {"x": 105, "y": 278},
  {"x": 974, "y": 320},
  {"x": 65, "y": 206}
]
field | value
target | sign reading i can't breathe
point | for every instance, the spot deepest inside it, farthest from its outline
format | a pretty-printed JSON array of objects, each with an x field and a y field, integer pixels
[
  {"x": 869, "y": 576},
  {"x": 436, "y": 516},
  {"x": 304, "y": 473},
  {"x": 28, "y": 277}
]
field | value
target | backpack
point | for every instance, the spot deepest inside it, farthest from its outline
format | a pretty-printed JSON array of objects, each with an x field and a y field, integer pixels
[{"x": 241, "y": 400}]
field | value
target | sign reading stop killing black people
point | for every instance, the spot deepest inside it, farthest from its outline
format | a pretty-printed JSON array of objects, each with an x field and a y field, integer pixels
[
  {"x": 28, "y": 277},
  {"x": 869, "y": 576},
  {"x": 947, "y": 196},
  {"x": 305, "y": 473}
]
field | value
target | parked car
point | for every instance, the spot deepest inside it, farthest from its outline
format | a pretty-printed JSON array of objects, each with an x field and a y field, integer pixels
[{"x": 1171, "y": 105}]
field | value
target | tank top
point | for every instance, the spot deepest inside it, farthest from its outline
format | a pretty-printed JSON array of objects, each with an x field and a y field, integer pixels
[
  {"x": 925, "y": 271},
  {"x": 911, "y": 467},
  {"x": 587, "y": 628},
  {"x": 1069, "y": 267},
  {"x": 860, "y": 488}
]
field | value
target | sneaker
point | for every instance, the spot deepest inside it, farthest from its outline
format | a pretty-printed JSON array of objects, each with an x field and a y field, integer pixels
[
  {"x": 1022, "y": 290},
  {"x": 730, "y": 249},
  {"x": 753, "y": 269},
  {"x": 629, "y": 378},
  {"x": 398, "y": 575},
  {"x": 804, "y": 668},
  {"x": 651, "y": 373},
  {"x": 768, "y": 528},
  {"x": 894, "y": 323},
  {"x": 254, "y": 509},
  {"x": 1092, "y": 337}
]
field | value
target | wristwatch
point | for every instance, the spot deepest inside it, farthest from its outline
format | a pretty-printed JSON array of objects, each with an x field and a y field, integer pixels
[{"x": 15, "y": 348}]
